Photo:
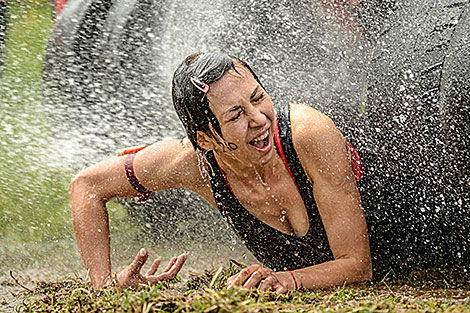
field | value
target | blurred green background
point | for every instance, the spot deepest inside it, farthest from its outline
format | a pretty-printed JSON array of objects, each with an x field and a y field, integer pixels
[
  {"x": 35, "y": 221},
  {"x": 31, "y": 195},
  {"x": 36, "y": 233}
]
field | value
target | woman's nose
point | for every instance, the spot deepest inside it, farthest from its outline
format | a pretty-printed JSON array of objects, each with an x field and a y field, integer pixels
[{"x": 256, "y": 117}]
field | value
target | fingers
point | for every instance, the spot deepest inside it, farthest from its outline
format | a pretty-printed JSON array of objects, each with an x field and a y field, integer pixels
[
  {"x": 267, "y": 284},
  {"x": 176, "y": 267},
  {"x": 252, "y": 275},
  {"x": 271, "y": 282},
  {"x": 230, "y": 279},
  {"x": 256, "y": 277},
  {"x": 174, "y": 260},
  {"x": 170, "y": 264},
  {"x": 241, "y": 278},
  {"x": 154, "y": 267},
  {"x": 171, "y": 270},
  {"x": 139, "y": 261},
  {"x": 280, "y": 289}
]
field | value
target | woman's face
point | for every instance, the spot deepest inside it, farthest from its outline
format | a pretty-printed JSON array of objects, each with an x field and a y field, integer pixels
[{"x": 246, "y": 117}]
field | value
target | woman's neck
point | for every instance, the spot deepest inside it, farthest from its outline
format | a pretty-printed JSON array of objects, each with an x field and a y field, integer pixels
[{"x": 248, "y": 172}]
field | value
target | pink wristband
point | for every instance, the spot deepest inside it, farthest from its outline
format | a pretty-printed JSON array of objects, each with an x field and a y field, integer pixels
[{"x": 295, "y": 281}]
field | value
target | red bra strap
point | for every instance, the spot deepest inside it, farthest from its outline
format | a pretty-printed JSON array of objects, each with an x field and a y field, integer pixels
[
  {"x": 277, "y": 140},
  {"x": 356, "y": 163}
]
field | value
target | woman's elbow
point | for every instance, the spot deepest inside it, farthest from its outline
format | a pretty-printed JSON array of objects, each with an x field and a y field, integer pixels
[
  {"x": 365, "y": 269},
  {"x": 78, "y": 186},
  {"x": 83, "y": 190}
]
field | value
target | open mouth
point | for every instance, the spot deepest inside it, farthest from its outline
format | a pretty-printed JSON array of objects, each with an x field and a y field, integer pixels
[{"x": 261, "y": 142}]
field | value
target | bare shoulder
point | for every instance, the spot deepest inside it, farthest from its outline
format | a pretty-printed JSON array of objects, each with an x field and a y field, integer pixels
[
  {"x": 310, "y": 126},
  {"x": 319, "y": 144}
]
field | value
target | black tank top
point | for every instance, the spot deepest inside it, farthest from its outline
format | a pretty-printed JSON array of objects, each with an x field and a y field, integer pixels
[{"x": 273, "y": 248}]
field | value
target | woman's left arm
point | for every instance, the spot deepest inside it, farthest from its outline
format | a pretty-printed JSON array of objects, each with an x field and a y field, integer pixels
[{"x": 324, "y": 154}]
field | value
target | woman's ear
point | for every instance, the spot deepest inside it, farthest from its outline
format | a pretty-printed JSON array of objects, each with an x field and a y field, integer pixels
[{"x": 205, "y": 141}]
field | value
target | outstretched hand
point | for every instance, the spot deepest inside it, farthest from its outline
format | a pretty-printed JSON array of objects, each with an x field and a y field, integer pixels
[
  {"x": 131, "y": 276},
  {"x": 255, "y": 275}
]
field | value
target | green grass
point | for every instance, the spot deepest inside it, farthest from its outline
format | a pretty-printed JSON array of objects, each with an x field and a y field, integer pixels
[
  {"x": 207, "y": 293},
  {"x": 36, "y": 231}
]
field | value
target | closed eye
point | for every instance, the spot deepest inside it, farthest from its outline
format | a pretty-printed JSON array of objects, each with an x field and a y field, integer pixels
[
  {"x": 229, "y": 114},
  {"x": 237, "y": 116},
  {"x": 261, "y": 96}
]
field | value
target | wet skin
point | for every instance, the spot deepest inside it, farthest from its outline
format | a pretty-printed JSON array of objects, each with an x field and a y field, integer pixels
[
  {"x": 243, "y": 115},
  {"x": 255, "y": 172},
  {"x": 258, "y": 177}
]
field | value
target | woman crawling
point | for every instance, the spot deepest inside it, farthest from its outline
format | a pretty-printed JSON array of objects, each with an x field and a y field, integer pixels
[{"x": 284, "y": 179}]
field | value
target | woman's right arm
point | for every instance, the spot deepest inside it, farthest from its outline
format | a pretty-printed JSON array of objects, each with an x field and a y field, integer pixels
[{"x": 164, "y": 165}]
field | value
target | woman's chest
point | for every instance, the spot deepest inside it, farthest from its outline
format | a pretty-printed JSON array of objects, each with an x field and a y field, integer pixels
[{"x": 277, "y": 204}]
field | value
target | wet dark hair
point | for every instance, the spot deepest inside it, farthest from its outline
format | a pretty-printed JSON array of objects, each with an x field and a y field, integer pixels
[{"x": 190, "y": 102}]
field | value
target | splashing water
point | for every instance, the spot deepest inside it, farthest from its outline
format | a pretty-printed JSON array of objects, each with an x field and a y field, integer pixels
[{"x": 398, "y": 91}]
